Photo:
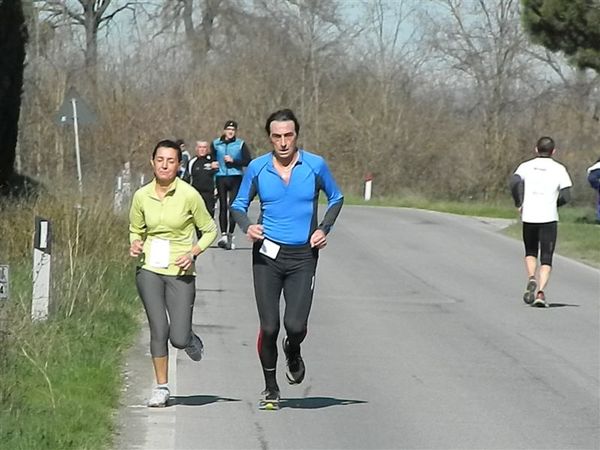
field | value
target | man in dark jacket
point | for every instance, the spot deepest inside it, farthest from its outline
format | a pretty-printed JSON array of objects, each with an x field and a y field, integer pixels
[{"x": 201, "y": 170}]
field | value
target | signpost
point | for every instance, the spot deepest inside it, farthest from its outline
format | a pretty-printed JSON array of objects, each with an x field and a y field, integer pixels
[
  {"x": 41, "y": 270},
  {"x": 75, "y": 111}
]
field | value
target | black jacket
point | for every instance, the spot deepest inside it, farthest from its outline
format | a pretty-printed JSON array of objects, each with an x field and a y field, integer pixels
[{"x": 202, "y": 177}]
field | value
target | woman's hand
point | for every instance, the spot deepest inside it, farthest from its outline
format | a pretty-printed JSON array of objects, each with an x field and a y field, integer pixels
[
  {"x": 136, "y": 248},
  {"x": 185, "y": 261}
]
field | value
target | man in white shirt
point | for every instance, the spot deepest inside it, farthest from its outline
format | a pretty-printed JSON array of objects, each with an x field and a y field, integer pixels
[{"x": 539, "y": 186}]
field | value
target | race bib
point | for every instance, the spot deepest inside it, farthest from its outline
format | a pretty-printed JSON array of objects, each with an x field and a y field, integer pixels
[
  {"x": 269, "y": 249},
  {"x": 159, "y": 253}
]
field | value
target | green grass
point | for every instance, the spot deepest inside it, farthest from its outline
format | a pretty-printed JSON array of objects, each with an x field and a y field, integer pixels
[
  {"x": 578, "y": 234},
  {"x": 491, "y": 209},
  {"x": 580, "y": 241},
  {"x": 60, "y": 380},
  {"x": 64, "y": 379}
]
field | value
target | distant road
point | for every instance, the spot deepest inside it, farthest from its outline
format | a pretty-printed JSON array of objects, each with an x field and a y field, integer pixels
[{"x": 418, "y": 339}]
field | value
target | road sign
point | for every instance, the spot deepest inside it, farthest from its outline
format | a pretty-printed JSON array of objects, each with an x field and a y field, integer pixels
[
  {"x": 67, "y": 115},
  {"x": 75, "y": 111}
]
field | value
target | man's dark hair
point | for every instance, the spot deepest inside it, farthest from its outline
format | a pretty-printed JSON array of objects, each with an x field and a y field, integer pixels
[
  {"x": 168, "y": 144},
  {"x": 545, "y": 145},
  {"x": 283, "y": 115}
]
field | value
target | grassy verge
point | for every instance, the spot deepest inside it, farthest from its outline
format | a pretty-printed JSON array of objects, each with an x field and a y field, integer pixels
[
  {"x": 60, "y": 380},
  {"x": 578, "y": 235}
]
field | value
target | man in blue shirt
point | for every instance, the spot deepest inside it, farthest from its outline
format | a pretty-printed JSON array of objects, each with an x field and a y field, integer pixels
[{"x": 287, "y": 239}]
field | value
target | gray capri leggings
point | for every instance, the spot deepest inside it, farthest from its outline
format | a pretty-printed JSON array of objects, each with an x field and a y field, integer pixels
[{"x": 162, "y": 295}]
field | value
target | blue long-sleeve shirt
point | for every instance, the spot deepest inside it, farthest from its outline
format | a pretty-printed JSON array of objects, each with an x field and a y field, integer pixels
[{"x": 288, "y": 211}]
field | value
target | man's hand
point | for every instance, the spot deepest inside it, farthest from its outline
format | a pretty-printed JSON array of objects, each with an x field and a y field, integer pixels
[
  {"x": 228, "y": 159},
  {"x": 318, "y": 239},
  {"x": 255, "y": 233},
  {"x": 136, "y": 248}
]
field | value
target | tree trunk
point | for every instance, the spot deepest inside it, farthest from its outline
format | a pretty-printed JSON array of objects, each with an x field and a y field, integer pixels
[{"x": 13, "y": 36}]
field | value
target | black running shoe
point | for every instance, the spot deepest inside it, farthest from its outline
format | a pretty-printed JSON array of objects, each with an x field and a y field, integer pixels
[
  {"x": 269, "y": 400},
  {"x": 295, "y": 365},
  {"x": 529, "y": 295}
]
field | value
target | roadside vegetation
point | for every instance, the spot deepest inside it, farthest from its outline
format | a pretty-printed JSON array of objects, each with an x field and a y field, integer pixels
[{"x": 60, "y": 379}]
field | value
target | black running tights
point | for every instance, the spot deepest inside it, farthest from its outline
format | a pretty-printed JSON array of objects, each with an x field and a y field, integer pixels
[{"x": 293, "y": 273}]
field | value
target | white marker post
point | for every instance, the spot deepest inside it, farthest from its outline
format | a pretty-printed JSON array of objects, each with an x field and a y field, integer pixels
[
  {"x": 41, "y": 270},
  {"x": 368, "y": 185},
  {"x": 4, "y": 284}
]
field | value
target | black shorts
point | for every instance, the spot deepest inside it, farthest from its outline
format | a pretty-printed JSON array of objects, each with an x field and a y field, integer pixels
[{"x": 540, "y": 238}]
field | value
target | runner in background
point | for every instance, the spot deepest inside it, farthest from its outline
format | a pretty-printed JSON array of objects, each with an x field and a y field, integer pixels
[
  {"x": 233, "y": 155},
  {"x": 593, "y": 177},
  {"x": 201, "y": 170},
  {"x": 539, "y": 186},
  {"x": 182, "y": 172}
]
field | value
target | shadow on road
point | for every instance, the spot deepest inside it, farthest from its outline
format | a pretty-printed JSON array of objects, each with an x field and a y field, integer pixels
[
  {"x": 316, "y": 402},
  {"x": 561, "y": 305},
  {"x": 198, "y": 400}
]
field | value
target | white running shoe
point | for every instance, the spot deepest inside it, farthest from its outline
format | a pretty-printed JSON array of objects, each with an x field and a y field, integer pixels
[
  {"x": 229, "y": 245},
  {"x": 222, "y": 242},
  {"x": 160, "y": 397}
]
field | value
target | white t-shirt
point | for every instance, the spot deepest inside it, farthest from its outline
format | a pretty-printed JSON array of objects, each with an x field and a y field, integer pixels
[{"x": 544, "y": 178}]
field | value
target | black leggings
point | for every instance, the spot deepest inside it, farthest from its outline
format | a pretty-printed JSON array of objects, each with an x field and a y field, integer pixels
[
  {"x": 293, "y": 272},
  {"x": 227, "y": 185},
  {"x": 540, "y": 237}
]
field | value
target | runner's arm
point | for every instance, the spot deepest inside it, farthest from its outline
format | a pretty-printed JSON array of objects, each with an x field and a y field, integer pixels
[
  {"x": 246, "y": 193},
  {"x": 517, "y": 189},
  {"x": 564, "y": 196}
]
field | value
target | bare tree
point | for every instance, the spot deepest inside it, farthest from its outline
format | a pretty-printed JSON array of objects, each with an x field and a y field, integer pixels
[
  {"x": 199, "y": 19},
  {"x": 318, "y": 33},
  {"x": 483, "y": 43},
  {"x": 91, "y": 15}
]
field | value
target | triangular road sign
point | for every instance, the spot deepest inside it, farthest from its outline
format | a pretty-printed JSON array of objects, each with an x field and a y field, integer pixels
[{"x": 65, "y": 116}]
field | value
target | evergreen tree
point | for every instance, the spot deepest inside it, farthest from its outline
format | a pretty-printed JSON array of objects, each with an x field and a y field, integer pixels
[{"x": 570, "y": 26}]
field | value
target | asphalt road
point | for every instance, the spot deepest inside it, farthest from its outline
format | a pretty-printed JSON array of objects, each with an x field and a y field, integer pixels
[{"x": 418, "y": 339}]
